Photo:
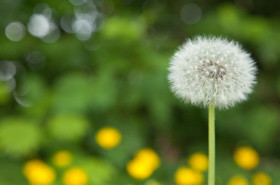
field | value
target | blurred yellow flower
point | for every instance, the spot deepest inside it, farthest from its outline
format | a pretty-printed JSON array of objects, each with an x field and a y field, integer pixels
[
  {"x": 187, "y": 176},
  {"x": 108, "y": 137},
  {"x": 198, "y": 161},
  {"x": 38, "y": 173},
  {"x": 149, "y": 157},
  {"x": 238, "y": 180},
  {"x": 261, "y": 178},
  {"x": 246, "y": 157},
  {"x": 62, "y": 158},
  {"x": 75, "y": 176},
  {"x": 145, "y": 162},
  {"x": 139, "y": 170}
]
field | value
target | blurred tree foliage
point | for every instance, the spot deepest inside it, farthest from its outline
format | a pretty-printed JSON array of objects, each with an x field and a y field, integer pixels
[{"x": 86, "y": 64}]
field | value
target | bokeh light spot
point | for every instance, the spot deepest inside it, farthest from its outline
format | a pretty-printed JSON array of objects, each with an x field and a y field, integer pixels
[
  {"x": 15, "y": 31},
  {"x": 39, "y": 25},
  {"x": 66, "y": 24},
  {"x": 35, "y": 60},
  {"x": 7, "y": 70},
  {"x": 83, "y": 28},
  {"x": 191, "y": 13},
  {"x": 77, "y": 2}
]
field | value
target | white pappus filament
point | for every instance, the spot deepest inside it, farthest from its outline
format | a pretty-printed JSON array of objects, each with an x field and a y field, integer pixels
[{"x": 212, "y": 71}]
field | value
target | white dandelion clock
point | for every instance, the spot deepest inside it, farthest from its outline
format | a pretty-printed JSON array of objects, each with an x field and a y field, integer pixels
[{"x": 212, "y": 71}]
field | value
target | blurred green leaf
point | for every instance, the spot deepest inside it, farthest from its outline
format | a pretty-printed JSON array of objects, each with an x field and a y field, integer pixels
[
  {"x": 19, "y": 137},
  {"x": 11, "y": 172},
  {"x": 5, "y": 95},
  {"x": 36, "y": 94},
  {"x": 71, "y": 93},
  {"x": 99, "y": 171},
  {"x": 68, "y": 127},
  {"x": 124, "y": 28},
  {"x": 261, "y": 125}
]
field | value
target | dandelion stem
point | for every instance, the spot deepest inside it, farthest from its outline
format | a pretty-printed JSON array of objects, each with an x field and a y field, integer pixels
[{"x": 211, "y": 145}]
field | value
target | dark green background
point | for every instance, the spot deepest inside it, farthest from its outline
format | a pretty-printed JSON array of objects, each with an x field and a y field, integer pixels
[{"x": 118, "y": 77}]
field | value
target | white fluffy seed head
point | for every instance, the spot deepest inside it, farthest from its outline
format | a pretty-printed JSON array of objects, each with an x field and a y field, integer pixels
[{"x": 212, "y": 71}]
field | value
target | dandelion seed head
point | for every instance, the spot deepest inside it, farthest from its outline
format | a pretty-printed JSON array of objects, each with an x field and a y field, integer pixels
[{"x": 212, "y": 71}]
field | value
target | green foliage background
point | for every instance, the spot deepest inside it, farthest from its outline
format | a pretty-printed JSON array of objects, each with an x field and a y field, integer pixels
[{"x": 118, "y": 77}]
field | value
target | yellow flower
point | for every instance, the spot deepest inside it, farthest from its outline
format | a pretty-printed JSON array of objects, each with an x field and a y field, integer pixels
[
  {"x": 75, "y": 176},
  {"x": 139, "y": 170},
  {"x": 187, "y": 176},
  {"x": 145, "y": 162},
  {"x": 246, "y": 157},
  {"x": 108, "y": 137},
  {"x": 238, "y": 180},
  {"x": 38, "y": 173},
  {"x": 62, "y": 158},
  {"x": 149, "y": 157},
  {"x": 198, "y": 161},
  {"x": 261, "y": 179}
]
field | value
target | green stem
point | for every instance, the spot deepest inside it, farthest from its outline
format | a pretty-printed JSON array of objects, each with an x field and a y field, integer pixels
[{"x": 211, "y": 145}]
